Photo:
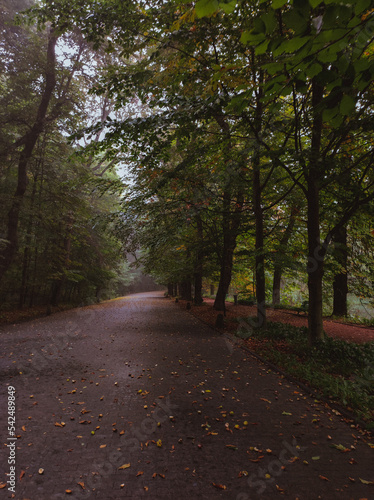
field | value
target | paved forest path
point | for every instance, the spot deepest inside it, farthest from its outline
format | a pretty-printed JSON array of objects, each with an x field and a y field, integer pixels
[{"x": 134, "y": 398}]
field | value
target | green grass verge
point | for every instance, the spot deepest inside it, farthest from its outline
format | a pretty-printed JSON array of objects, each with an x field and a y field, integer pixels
[{"x": 342, "y": 371}]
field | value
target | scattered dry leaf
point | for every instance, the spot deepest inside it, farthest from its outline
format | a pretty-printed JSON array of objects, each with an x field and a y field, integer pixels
[
  {"x": 219, "y": 486},
  {"x": 124, "y": 466}
]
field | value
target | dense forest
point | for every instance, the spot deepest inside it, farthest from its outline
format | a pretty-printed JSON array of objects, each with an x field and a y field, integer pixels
[{"x": 231, "y": 143}]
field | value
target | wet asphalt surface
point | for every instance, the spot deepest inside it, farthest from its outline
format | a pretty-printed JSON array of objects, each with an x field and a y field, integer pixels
[{"x": 135, "y": 398}]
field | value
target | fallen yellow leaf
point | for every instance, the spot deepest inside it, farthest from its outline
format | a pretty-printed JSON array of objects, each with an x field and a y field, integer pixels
[
  {"x": 124, "y": 466},
  {"x": 363, "y": 481}
]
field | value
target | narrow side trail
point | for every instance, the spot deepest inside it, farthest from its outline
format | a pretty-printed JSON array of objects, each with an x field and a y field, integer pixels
[{"x": 134, "y": 398}]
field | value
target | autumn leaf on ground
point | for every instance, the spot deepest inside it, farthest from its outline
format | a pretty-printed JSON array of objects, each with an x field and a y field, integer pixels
[
  {"x": 81, "y": 484},
  {"x": 22, "y": 474},
  {"x": 124, "y": 466},
  {"x": 231, "y": 447},
  {"x": 286, "y": 413},
  {"x": 140, "y": 473},
  {"x": 363, "y": 481},
  {"x": 219, "y": 486},
  {"x": 58, "y": 424},
  {"x": 2, "y": 485},
  {"x": 266, "y": 400},
  {"x": 159, "y": 443},
  {"x": 340, "y": 447},
  {"x": 324, "y": 478},
  {"x": 103, "y": 446}
]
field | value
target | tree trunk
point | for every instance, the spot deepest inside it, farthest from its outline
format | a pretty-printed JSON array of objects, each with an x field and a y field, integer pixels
[
  {"x": 198, "y": 272},
  {"x": 259, "y": 246},
  {"x": 186, "y": 290},
  {"x": 258, "y": 212},
  {"x": 231, "y": 220},
  {"x": 26, "y": 253},
  {"x": 198, "y": 286},
  {"x": 315, "y": 251},
  {"x": 231, "y": 225},
  {"x": 28, "y": 142},
  {"x": 277, "y": 277},
  {"x": 170, "y": 289},
  {"x": 225, "y": 277},
  {"x": 278, "y": 267},
  {"x": 340, "y": 284}
]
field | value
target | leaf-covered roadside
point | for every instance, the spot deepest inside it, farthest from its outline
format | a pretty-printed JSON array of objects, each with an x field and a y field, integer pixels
[{"x": 342, "y": 371}]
